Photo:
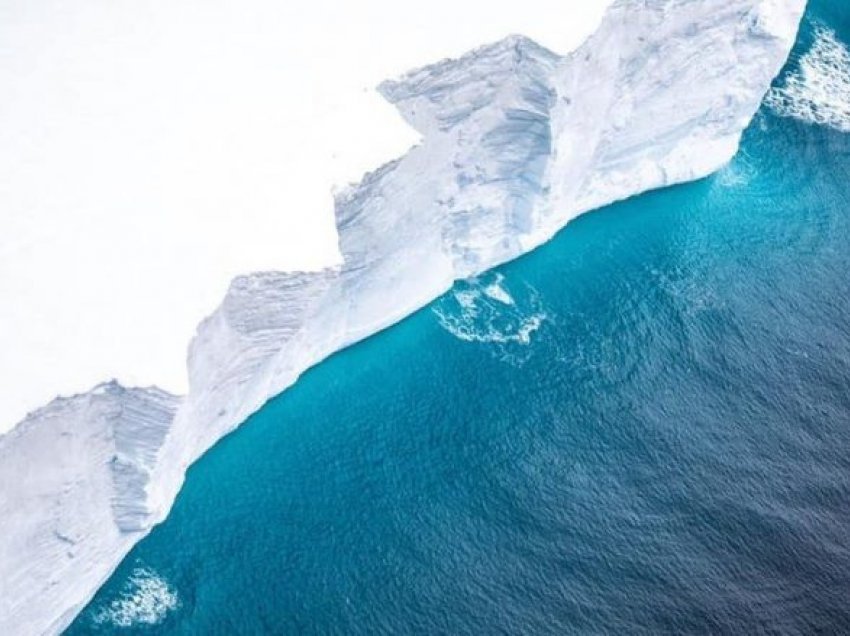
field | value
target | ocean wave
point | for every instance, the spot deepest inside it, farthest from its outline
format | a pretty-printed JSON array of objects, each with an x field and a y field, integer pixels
[
  {"x": 818, "y": 92},
  {"x": 146, "y": 600},
  {"x": 485, "y": 310}
]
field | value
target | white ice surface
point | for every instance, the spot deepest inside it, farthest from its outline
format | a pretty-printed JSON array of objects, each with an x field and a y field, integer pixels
[
  {"x": 152, "y": 151},
  {"x": 517, "y": 141}
]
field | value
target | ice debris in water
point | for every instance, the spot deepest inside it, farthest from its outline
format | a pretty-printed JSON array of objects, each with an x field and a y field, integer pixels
[{"x": 818, "y": 92}]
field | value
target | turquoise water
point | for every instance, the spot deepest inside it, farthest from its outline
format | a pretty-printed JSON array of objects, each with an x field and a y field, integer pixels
[{"x": 644, "y": 426}]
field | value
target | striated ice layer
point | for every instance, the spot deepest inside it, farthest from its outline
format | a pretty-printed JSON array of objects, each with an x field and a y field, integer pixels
[
  {"x": 74, "y": 477},
  {"x": 517, "y": 141}
]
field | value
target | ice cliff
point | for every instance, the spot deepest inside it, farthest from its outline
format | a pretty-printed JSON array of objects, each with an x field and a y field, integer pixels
[{"x": 516, "y": 142}]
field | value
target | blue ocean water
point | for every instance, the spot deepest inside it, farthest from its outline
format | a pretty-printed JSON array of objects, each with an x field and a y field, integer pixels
[{"x": 642, "y": 427}]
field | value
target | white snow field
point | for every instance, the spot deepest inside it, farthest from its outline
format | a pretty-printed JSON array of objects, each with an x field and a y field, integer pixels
[
  {"x": 516, "y": 142},
  {"x": 152, "y": 151}
]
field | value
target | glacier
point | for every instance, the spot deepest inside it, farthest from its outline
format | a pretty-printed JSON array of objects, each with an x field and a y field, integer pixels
[{"x": 516, "y": 142}]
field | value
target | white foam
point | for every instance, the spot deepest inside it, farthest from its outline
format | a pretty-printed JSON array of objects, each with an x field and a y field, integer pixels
[
  {"x": 146, "y": 600},
  {"x": 818, "y": 92},
  {"x": 738, "y": 173},
  {"x": 483, "y": 310}
]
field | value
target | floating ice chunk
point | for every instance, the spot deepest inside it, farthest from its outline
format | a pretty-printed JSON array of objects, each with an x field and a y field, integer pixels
[{"x": 495, "y": 291}]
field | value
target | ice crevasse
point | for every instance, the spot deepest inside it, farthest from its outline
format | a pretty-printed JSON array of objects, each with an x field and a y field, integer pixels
[{"x": 516, "y": 142}]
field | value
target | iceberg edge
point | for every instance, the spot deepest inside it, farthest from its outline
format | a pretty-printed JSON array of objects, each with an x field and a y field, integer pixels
[{"x": 517, "y": 141}]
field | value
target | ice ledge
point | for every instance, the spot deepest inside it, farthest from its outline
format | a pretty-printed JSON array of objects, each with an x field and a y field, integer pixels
[
  {"x": 73, "y": 478},
  {"x": 517, "y": 142}
]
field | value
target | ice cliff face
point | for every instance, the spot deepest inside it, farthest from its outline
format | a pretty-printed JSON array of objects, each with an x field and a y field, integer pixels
[
  {"x": 72, "y": 496},
  {"x": 516, "y": 142}
]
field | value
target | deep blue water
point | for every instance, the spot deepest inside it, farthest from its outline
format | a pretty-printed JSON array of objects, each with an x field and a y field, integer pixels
[{"x": 654, "y": 438}]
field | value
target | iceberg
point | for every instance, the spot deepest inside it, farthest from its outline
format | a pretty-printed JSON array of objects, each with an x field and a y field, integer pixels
[{"x": 516, "y": 142}]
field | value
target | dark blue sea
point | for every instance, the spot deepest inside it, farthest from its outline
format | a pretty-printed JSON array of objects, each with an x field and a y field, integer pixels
[{"x": 643, "y": 427}]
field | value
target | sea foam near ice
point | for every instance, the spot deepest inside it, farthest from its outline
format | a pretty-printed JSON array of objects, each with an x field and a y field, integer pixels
[
  {"x": 146, "y": 600},
  {"x": 486, "y": 311},
  {"x": 818, "y": 92},
  {"x": 737, "y": 173}
]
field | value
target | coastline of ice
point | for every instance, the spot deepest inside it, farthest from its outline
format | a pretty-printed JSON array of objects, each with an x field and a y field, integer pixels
[{"x": 517, "y": 141}]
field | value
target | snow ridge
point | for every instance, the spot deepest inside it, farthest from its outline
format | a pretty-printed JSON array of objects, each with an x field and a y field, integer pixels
[{"x": 517, "y": 141}]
